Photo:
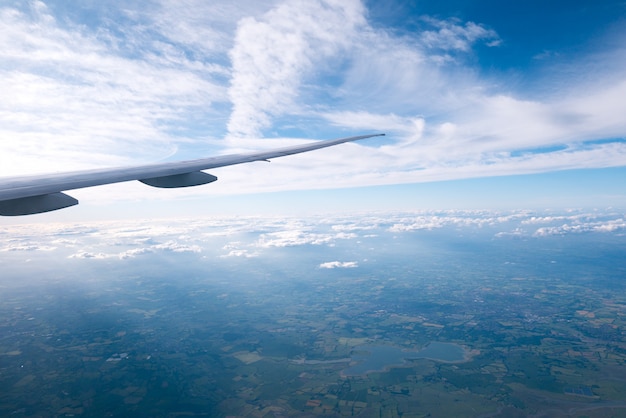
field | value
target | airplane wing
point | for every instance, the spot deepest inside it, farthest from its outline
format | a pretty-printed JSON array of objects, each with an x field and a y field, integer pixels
[{"x": 43, "y": 193}]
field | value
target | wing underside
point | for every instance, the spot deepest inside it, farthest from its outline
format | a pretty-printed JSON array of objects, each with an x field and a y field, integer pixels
[{"x": 44, "y": 193}]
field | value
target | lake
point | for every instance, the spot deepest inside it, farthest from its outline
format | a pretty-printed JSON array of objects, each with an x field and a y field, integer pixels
[{"x": 378, "y": 358}]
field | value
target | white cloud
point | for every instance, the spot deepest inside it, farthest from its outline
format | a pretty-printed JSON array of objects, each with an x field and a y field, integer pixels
[
  {"x": 406, "y": 127},
  {"x": 27, "y": 247},
  {"x": 452, "y": 34},
  {"x": 274, "y": 52},
  {"x": 517, "y": 232},
  {"x": 234, "y": 250},
  {"x": 204, "y": 28},
  {"x": 91, "y": 255},
  {"x": 292, "y": 238},
  {"x": 134, "y": 253},
  {"x": 240, "y": 253},
  {"x": 442, "y": 219},
  {"x": 169, "y": 246},
  {"x": 338, "y": 264},
  {"x": 73, "y": 99},
  {"x": 579, "y": 226},
  {"x": 178, "y": 247}
]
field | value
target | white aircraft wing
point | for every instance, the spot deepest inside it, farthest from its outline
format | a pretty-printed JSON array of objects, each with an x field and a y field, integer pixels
[{"x": 43, "y": 193}]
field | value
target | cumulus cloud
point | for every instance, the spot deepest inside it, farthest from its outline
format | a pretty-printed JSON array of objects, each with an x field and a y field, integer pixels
[
  {"x": 584, "y": 226},
  {"x": 91, "y": 255},
  {"x": 292, "y": 238},
  {"x": 517, "y": 232},
  {"x": 441, "y": 219},
  {"x": 235, "y": 250},
  {"x": 421, "y": 222},
  {"x": 338, "y": 264},
  {"x": 178, "y": 247},
  {"x": 125, "y": 255},
  {"x": 240, "y": 253},
  {"x": 27, "y": 247},
  {"x": 170, "y": 246}
]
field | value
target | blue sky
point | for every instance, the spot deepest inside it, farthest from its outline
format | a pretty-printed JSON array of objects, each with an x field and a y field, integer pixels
[{"x": 485, "y": 103}]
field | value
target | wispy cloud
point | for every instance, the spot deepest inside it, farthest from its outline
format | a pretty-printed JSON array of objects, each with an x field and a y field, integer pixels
[
  {"x": 74, "y": 96},
  {"x": 274, "y": 52},
  {"x": 452, "y": 34}
]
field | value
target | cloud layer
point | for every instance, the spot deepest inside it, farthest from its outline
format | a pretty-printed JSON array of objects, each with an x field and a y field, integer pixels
[{"x": 259, "y": 237}]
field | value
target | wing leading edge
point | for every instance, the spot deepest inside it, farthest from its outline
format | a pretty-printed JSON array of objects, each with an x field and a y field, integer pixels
[{"x": 44, "y": 193}]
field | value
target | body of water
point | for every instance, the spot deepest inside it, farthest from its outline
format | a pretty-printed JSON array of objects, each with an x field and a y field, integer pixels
[{"x": 378, "y": 358}]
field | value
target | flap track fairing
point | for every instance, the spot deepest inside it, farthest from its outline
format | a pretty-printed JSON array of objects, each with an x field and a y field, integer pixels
[{"x": 195, "y": 178}]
